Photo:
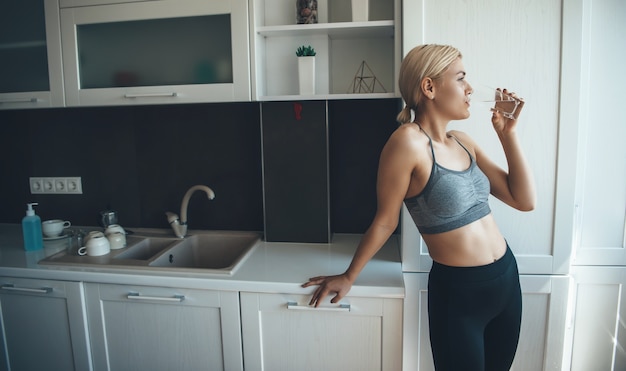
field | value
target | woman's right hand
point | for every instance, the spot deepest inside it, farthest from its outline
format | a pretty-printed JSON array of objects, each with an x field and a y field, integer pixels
[{"x": 339, "y": 284}]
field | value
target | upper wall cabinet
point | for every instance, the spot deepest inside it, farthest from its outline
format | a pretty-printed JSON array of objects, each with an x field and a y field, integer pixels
[
  {"x": 155, "y": 52},
  {"x": 357, "y": 55},
  {"x": 30, "y": 51}
]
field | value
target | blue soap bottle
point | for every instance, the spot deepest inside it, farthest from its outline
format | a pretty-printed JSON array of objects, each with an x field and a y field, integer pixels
[{"x": 31, "y": 228}]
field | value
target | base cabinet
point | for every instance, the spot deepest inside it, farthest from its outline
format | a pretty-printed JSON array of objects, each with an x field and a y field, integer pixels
[
  {"x": 158, "y": 328},
  {"x": 280, "y": 332},
  {"x": 597, "y": 334},
  {"x": 43, "y": 325},
  {"x": 544, "y": 313}
]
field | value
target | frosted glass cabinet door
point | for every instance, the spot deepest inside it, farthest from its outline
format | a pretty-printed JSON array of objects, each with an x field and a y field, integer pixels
[
  {"x": 156, "y": 52},
  {"x": 30, "y": 51}
]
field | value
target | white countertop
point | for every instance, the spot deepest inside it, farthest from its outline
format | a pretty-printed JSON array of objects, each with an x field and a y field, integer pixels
[{"x": 273, "y": 267}]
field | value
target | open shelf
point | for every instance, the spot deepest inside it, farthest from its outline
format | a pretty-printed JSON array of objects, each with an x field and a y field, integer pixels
[
  {"x": 341, "y": 46},
  {"x": 340, "y": 29}
]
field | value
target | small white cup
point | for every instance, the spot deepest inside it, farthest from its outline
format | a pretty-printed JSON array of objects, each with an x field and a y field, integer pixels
[
  {"x": 117, "y": 240},
  {"x": 114, "y": 228},
  {"x": 96, "y": 246},
  {"x": 54, "y": 228},
  {"x": 91, "y": 235}
]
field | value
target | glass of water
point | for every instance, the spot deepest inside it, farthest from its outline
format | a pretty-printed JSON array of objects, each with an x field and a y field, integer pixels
[{"x": 508, "y": 105}]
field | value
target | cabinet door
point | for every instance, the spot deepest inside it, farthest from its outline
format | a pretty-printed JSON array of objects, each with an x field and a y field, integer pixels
[
  {"x": 151, "y": 328},
  {"x": 598, "y": 333},
  {"x": 594, "y": 160},
  {"x": 537, "y": 238},
  {"x": 542, "y": 339},
  {"x": 156, "y": 52},
  {"x": 30, "y": 51},
  {"x": 43, "y": 325},
  {"x": 282, "y": 333}
]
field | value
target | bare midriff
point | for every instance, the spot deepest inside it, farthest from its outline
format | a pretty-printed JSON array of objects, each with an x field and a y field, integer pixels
[{"x": 478, "y": 243}]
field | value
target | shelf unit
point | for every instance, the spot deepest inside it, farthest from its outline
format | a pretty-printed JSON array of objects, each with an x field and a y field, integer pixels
[{"x": 341, "y": 45}]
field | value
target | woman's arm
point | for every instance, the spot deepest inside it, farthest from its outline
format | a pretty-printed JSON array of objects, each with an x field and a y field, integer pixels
[
  {"x": 516, "y": 187},
  {"x": 394, "y": 175}
]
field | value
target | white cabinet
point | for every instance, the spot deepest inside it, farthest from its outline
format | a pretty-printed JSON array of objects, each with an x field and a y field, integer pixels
[
  {"x": 155, "y": 52},
  {"x": 281, "y": 332},
  {"x": 158, "y": 328},
  {"x": 537, "y": 238},
  {"x": 43, "y": 325},
  {"x": 599, "y": 308},
  {"x": 30, "y": 50},
  {"x": 592, "y": 154},
  {"x": 541, "y": 345},
  {"x": 592, "y": 160},
  {"x": 341, "y": 46}
]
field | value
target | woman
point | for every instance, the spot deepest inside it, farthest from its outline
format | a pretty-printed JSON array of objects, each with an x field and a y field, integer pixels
[{"x": 444, "y": 178}]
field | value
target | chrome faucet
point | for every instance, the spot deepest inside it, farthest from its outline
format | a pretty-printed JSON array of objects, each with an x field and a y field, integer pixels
[{"x": 179, "y": 225}]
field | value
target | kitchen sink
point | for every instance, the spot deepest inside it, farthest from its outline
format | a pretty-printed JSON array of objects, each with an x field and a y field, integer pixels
[
  {"x": 208, "y": 251},
  {"x": 145, "y": 248},
  {"x": 212, "y": 252}
]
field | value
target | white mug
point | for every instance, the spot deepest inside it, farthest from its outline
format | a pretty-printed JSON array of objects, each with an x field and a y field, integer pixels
[
  {"x": 96, "y": 246},
  {"x": 93, "y": 234},
  {"x": 117, "y": 240},
  {"x": 54, "y": 228},
  {"x": 114, "y": 228}
]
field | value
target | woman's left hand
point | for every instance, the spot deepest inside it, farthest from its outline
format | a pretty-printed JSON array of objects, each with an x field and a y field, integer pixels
[{"x": 502, "y": 123}]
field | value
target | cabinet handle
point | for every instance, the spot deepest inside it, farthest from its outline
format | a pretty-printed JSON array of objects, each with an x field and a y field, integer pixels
[
  {"x": 42, "y": 290},
  {"x": 340, "y": 308},
  {"x": 20, "y": 100},
  {"x": 136, "y": 296},
  {"x": 150, "y": 95}
]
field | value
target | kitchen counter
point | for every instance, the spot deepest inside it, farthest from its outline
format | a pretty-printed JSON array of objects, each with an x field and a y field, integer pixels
[{"x": 273, "y": 267}]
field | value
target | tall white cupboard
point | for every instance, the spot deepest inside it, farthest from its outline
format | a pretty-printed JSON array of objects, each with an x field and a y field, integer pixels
[{"x": 563, "y": 57}]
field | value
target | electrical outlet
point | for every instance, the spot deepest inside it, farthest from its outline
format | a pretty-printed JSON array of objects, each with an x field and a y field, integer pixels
[
  {"x": 60, "y": 185},
  {"x": 48, "y": 185},
  {"x": 56, "y": 185},
  {"x": 74, "y": 185}
]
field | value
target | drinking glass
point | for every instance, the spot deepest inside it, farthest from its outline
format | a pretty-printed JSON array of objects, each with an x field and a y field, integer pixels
[{"x": 509, "y": 106}]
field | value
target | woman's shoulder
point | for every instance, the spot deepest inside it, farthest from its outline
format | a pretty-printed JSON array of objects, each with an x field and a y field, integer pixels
[
  {"x": 406, "y": 140},
  {"x": 406, "y": 133}
]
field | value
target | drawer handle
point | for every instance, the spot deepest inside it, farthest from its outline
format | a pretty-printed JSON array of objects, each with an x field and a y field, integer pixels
[
  {"x": 42, "y": 290},
  {"x": 136, "y": 296},
  {"x": 20, "y": 100},
  {"x": 340, "y": 308},
  {"x": 151, "y": 95}
]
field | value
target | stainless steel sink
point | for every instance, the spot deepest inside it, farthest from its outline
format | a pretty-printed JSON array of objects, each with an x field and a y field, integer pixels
[{"x": 213, "y": 252}]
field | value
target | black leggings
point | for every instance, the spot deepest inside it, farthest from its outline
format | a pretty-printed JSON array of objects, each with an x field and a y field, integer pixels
[{"x": 474, "y": 314}]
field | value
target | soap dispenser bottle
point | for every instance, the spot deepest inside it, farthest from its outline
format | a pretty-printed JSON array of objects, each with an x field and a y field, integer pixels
[{"x": 31, "y": 228}]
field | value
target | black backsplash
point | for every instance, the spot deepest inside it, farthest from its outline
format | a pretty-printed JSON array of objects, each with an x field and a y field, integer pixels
[{"x": 140, "y": 160}]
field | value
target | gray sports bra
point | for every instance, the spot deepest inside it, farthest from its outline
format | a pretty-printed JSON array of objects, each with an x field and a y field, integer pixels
[{"x": 451, "y": 199}]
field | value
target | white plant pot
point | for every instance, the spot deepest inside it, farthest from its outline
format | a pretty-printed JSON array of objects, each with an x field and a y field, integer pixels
[
  {"x": 360, "y": 10},
  {"x": 306, "y": 75}
]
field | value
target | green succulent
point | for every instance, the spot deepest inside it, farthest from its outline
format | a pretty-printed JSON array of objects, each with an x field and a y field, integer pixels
[{"x": 305, "y": 51}]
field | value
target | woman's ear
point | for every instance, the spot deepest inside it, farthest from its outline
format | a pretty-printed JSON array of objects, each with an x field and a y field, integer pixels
[{"x": 428, "y": 88}]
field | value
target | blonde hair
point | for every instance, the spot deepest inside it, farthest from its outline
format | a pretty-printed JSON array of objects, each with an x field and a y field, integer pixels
[{"x": 429, "y": 60}]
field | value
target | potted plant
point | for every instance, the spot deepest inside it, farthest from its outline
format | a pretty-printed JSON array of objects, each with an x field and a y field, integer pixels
[{"x": 306, "y": 69}]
